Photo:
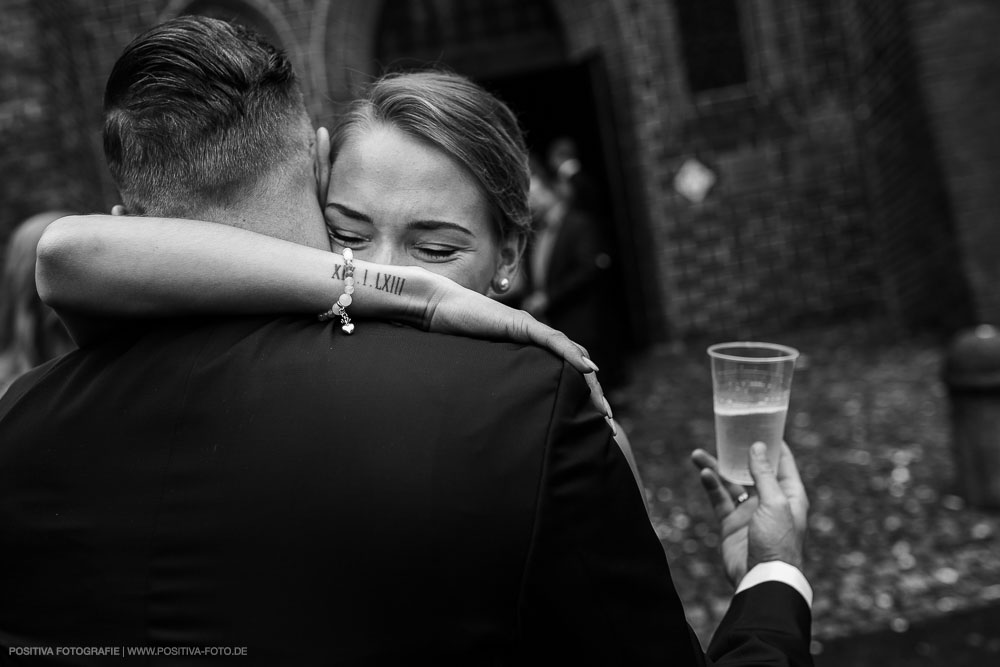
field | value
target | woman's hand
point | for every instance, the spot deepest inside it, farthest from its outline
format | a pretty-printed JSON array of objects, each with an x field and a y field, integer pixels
[{"x": 453, "y": 309}]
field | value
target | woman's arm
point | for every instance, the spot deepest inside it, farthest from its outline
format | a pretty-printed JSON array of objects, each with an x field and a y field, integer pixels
[
  {"x": 92, "y": 268},
  {"x": 115, "y": 266}
]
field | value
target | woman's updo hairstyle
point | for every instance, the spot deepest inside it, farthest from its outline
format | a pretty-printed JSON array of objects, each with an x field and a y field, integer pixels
[{"x": 461, "y": 118}]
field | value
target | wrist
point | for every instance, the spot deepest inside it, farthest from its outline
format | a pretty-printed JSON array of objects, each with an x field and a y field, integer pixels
[
  {"x": 399, "y": 293},
  {"x": 778, "y": 571},
  {"x": 790, "y": 556},
  {"x": 424, "y": 290}
]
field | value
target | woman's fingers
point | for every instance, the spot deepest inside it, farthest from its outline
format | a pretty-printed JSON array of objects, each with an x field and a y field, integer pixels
[
  {"x": 598, "y": 399},
  {"x": 525, "y": 328},
  {"x": 454, "y": 309},
  {"x": 522, "y": 327},
  {"x": 576, "y": 356}
]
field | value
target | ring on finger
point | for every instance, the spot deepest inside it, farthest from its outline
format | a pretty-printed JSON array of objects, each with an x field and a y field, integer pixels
[{"x": 742, "y": 498}]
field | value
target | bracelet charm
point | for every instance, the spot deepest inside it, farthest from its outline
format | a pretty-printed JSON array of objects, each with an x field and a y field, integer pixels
[{"x": 345, "y": 299}]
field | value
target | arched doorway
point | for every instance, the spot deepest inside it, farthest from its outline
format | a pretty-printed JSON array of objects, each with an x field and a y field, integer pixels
[
  {"x": 518, "y": 50},
  {"x": 481, "y": 39}
]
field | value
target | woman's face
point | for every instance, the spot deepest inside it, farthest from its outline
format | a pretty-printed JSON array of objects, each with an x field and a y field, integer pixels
[{"x": 396, "y": 200}]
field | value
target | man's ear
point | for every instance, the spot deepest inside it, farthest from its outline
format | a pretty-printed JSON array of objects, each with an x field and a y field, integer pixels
[
  {"x": 320, "y": 150},
  {"x": 119, "y": 209}
]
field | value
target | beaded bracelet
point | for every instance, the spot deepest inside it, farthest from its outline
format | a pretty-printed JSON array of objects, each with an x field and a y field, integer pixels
[{"x": 340, "y": 307}]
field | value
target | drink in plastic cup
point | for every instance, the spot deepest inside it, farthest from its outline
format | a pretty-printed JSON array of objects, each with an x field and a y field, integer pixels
[{"x": 751, "y": 383}]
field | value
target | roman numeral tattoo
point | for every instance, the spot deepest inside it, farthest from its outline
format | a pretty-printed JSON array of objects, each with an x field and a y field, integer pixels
[{"x": 384, "y": 282}]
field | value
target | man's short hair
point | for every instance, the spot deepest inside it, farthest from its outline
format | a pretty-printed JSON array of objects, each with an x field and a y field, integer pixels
[{"x": 196, "y": 112}]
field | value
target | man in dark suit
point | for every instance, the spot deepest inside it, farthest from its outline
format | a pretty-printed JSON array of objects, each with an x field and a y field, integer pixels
[
  {"x": 574, "y": 286},
  {"x": 270, "y": 489}
]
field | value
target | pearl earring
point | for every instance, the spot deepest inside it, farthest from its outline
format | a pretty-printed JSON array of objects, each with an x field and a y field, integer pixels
[{"x": 502, "y": 286}]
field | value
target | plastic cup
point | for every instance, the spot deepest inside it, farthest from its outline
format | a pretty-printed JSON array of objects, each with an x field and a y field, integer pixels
[{"x": 751, "y": 383}]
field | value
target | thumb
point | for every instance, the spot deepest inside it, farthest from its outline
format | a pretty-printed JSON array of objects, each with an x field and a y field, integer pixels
[{"x": 768, "y": 490}]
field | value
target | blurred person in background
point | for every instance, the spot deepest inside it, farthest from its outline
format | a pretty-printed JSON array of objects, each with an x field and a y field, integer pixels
[
  {"x": 572, "y": 288},
  {"x": 568, "y": 175},
  {"x": 30, "y": 331}
]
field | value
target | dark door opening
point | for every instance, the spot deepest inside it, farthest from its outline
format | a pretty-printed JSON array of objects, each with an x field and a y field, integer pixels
[{"x": 566, "y": 101}]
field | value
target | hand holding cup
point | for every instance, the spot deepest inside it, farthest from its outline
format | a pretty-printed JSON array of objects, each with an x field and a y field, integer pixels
[{"x": 769, "y": 525}]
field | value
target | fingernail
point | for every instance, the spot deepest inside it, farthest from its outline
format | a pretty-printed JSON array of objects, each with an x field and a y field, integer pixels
[
  {"x": 611, "y": 423},
  {"x": 758, "y": 449},
  {"x": 590, "y": 364},
  {"x": 607, "y": 408}
]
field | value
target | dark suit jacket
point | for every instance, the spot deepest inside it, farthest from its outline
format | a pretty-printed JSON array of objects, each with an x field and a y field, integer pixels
[{"x": 390, "y": 498}]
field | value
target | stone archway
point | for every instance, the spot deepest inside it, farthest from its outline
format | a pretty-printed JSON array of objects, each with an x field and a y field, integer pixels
[
  {"x": 497, "y": 38},
  {"x": 350, "y": 40}
]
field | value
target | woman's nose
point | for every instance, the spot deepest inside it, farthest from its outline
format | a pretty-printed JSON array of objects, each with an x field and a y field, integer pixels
[{"x": 385, "y": 253}]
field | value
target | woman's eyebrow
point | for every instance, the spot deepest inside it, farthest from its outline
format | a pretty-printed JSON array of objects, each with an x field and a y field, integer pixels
[
  {"x": 349, "y": 212},
  {"x": 433, "y": 225}
]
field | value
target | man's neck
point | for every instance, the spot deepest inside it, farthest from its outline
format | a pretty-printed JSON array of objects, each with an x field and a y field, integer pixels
[{"x": 291, "y": 218}]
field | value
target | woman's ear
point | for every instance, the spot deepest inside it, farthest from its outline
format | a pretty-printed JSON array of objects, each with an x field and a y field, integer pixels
[
  {"x": 321, "y": 163},
  {"x": 511, "y": 250}
]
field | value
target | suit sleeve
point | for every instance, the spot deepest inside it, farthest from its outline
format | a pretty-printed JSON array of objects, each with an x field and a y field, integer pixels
[
  {"x": 768, "y": 624},
  {"x": 597, "y": 588}
]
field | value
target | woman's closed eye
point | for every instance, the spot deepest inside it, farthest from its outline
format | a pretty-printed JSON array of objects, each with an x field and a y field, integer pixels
[
  {"x": 346, "y": 238},
  {"x": 435, "y": 252}
]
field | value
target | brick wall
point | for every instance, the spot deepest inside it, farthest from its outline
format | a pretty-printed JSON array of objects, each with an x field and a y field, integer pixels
[
  {"x": 958, "y": 60},
  {"x": 916, "y": 244},
  {"x": 783, "y": 239}
]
